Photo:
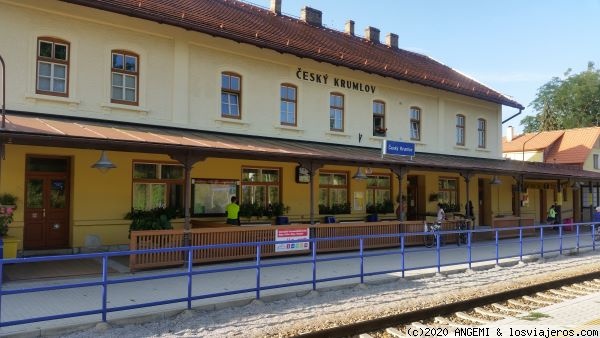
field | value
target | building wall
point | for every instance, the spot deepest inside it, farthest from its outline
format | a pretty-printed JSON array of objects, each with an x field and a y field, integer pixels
[
  {"x": 531, "y": 156},
  {"x": 179, "y": 83}
]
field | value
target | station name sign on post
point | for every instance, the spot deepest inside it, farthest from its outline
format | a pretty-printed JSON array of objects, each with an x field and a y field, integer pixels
[{"x": 398, "y": 148}]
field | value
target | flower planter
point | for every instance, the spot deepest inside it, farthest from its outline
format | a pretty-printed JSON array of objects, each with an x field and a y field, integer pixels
[{"x": 9, "y": 247}]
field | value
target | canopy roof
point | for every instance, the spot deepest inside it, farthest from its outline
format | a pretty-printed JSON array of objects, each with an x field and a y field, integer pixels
[{"x": 48, "y": 130}]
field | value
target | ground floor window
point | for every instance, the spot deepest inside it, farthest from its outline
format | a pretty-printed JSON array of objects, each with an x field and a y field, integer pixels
[
  {"x": 448, "y": 194},
  {"x": 157, "y": 185},
  {"x": 379, "y": 192},
  {"x": 333, "y": 193},
  {"x": 261, "y": 186}
]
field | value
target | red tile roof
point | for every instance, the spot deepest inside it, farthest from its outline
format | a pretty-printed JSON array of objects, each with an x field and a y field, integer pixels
[
  {"x": 531, "y": 141},
  {"x": 569, "y": 146},
  {"x": 242, "y": 22},
  {"x": 574, "y": 147}
]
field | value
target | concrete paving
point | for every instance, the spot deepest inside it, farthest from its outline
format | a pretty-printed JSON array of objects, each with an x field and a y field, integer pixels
[{"x": 47, "y": 303}]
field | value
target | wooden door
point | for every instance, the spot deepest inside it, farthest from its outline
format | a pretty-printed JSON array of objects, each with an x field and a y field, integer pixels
[
  {"x": 412, "y": 196},
  {"x": 46, "y": 210}
]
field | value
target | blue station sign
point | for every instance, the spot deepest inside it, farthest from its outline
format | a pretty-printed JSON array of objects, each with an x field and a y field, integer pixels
[{"x": 398, "y": 148}]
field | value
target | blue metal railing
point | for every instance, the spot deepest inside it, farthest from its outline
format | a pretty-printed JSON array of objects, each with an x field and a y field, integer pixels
[{"x": 584, "y": 237}]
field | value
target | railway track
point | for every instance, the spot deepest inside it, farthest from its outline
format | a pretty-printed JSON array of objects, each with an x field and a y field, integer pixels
[{"x": 470, "y": 312}]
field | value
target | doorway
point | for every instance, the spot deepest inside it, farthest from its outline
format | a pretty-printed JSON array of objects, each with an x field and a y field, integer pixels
[
  {"x": 47, "y": 203},
  {"x": 412, "y": 196}
]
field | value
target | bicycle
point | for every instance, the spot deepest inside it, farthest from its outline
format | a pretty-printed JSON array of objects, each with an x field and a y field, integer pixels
[{"x": 433, "y": 232}]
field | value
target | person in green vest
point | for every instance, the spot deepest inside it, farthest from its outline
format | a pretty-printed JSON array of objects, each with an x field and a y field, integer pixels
[
  {"x": 233, "y": 212},
  {"x": 552, "y": 215}
]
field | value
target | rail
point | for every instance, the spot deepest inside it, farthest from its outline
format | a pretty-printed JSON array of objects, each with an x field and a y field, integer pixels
[{"x": 312, "y": 266}]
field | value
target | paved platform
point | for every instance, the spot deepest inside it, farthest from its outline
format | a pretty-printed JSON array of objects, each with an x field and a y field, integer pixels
[{"x": 45, "y": 303}]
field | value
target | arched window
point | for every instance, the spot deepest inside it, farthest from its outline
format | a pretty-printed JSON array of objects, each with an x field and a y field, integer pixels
[
  {"x": 336, "y": 112},
  {"x": 124, "y": 77},
  {"x": 460, "y": 130},
  {"x": 481, "y": 133},
  {"x": 288, "y": 104},
  {"x": 52, "y": 74},
  {"x": 379, "y": 128},
  {"x": 415, "y": 123},
  {"x": 231, "y": 92}
]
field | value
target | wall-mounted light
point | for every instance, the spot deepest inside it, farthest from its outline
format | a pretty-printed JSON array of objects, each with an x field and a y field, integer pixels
[
  {"x": 575, "y": 185},
  {"x": 360, "y": 174},
  {"x": 495, "y": 180},
  {"x": 103, "y": 164}
]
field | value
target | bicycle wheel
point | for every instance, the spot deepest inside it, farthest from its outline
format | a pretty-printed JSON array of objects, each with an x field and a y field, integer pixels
[{"x": 429, "y": 240}]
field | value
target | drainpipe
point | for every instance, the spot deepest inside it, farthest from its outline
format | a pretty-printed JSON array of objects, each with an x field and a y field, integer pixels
[{"x": 3, "y": 92}]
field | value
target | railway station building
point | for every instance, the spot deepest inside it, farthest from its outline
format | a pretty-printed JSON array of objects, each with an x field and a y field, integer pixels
[{"x": 116, "y": 105}]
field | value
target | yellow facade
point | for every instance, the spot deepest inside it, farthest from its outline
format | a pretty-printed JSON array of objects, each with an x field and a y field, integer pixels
[{"x": 179, "y": 86}]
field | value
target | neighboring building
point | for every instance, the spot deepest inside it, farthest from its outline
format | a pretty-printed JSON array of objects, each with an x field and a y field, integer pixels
[
  {"x": 578, "y": 148},
  {"x": 207, "y": 99}
]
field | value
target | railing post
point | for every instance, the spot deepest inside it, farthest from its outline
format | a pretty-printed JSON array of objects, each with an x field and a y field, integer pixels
[
  {"x": 577, "y": 235},
  {"x": 1, "y": 273},
  {"x": 593, "y": 236},
  {"x": 542, "y": 242},
  {"x": 469, "y": 249},
  {"x": 189, "y": 271},
  {"x": 362, "y": 261},
  {"x": 402, "y": 253},
  {"x": 314, "y": 264},
  {"x": 497, "y": 248},
  {"x": 258, "y": 247},
  {"x": 104, "y": 285},
  {"x": 560, "y": 236},
  {"x": 437, "y": 250},
  {"x": 521, "y": 244}
]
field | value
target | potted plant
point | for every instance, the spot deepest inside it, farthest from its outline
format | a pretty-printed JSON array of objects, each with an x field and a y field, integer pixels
[
  {"x": 153, "y": 219},
  {"x": 8, "y": 204}
]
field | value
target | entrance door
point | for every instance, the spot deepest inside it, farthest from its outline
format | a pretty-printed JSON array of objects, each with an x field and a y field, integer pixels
[
  {"x": 412, "y": 195},
  {"x": 46, "y": 204}
]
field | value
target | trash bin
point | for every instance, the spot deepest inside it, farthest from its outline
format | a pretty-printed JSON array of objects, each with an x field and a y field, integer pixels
[
  {"x": 329, "y": 219},
  {"x": 568, "y": 224}
]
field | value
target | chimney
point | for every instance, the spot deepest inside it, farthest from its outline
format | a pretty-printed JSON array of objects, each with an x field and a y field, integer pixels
[
  {"x": 276, "y": 6},
  {"x": 391, "y": 40},
  {"x": 311, "y": 16},
  {"x": 509, "y": 133},
  {"x": 372, "y": 34},
  {"x": 349, "y": 28}
]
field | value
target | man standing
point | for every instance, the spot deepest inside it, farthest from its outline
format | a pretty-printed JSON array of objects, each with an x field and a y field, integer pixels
[{"x": 233, "y": 212}]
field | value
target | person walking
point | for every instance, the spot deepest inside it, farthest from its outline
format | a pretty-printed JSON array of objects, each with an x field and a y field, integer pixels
[
  {"x": 233, "y": 212},
  {"x": 551, "y": 215}
]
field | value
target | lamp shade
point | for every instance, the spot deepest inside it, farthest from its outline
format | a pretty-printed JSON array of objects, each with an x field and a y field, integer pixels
[
  {"x": 360, "y": 174},
  {"x": 495, "y": 180},
  {"x": 103, "y": 164}
]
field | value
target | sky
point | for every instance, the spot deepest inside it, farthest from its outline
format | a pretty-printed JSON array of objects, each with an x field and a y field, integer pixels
[{"x": 512, "y": 46}]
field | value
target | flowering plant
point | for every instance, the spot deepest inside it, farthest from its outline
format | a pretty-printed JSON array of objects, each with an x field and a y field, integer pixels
[
  {"x": 380, "y": 130},
  {"x": 6, "y": 218}
]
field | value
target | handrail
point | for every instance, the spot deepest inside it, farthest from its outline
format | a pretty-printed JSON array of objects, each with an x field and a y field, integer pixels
[{"x": 477, "y": 251}]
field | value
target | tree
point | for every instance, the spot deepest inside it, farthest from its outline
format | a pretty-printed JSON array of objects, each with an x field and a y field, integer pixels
[{"x": 571, "y": 102}]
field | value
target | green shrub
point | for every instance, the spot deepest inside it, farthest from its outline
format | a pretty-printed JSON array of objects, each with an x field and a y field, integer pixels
[
  {"x": 153, "y": 219},
  {"x": 334, "y": 209},
  {"x": 8, "y": 199}
]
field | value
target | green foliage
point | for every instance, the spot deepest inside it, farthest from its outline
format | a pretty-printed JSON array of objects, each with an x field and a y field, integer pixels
[
  {"x": 381, "y": 208},
  {"x": 449, "y": 207},
  {"x": 566, "y": 103},
  {"x": 334, "y": 209},
  {"x": 8, "y": 199},
  {"x": 252, "y": 209},
  {"x": 154, "y": 219},
  {"x": 277, "y": 209}
]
